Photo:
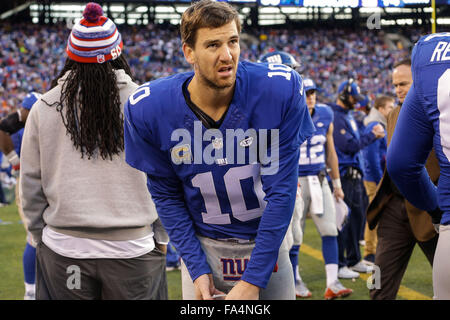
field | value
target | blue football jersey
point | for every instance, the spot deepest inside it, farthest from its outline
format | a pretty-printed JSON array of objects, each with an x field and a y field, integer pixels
[
  {"x": 228, "y": 182},
  {"x": 424, "y": 122},
  {"x": 312, "y": 151}
]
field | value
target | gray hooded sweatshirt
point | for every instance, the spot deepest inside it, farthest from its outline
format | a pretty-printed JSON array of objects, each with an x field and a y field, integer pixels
[{"x": 96, "y": 198}]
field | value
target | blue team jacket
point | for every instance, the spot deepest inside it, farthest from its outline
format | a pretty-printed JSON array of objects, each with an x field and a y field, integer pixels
[{"x": 348, "y": 141}]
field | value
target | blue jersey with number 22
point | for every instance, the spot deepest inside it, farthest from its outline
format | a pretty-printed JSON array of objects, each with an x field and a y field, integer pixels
[
  {"x": 312, "y": 151},
  {"x": 212, "y": 182}
]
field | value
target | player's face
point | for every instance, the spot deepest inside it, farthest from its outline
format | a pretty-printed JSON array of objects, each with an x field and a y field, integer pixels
[
  {"x": 387, "y": 108},
  {"x": 311, "y": 99},
  {"x": 216, "y": 55},
  {"x": 402, "y": 80}
]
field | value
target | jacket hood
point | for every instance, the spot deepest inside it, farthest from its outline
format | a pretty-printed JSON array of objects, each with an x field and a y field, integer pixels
[{"x": 375, "y": 115}]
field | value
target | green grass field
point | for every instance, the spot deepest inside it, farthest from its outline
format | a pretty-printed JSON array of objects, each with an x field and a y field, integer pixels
[{"x": 417, "y": 283}]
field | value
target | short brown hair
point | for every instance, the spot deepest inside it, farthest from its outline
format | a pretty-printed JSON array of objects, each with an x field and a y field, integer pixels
[
  {"x": 381, "y": 101},
  {"x": 206, "y": 14},
  {"x": 406, "y": 62}
]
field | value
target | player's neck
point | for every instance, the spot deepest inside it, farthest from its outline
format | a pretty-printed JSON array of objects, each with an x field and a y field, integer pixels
[{"x": 214, "y": 102}]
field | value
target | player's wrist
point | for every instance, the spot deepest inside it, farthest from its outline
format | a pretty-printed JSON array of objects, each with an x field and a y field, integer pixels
[
  {"x": 249, "y": 286},
  {"x": 336, "y": 183},
  {"x": 13, "y": 158}
]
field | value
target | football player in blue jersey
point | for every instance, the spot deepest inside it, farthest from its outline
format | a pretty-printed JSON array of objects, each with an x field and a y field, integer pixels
[
  {"x": 315, "y": 195},
  {"x": 424, "y": 123},
  {"x": 220, "y": 146},
  {"x": 349, "y": 144},
  {"x": 280, "y": 57},
  {"x": 11, "y": 133},
  {"x": 316, "y": 154}
]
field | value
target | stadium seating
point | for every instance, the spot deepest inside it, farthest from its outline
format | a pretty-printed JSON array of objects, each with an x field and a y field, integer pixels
[{"x": 32, "y": 55}]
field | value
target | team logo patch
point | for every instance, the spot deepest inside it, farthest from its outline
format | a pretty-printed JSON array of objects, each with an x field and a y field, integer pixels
[
  {"x": 246, "y": 142},
  {"x": 320, "y": 124},
  {"x": 233, "y": 268},
  {"x": 217, "y": 143},
  {"x": 275, "y": 59},
  {"x": 343, "y": 131}
]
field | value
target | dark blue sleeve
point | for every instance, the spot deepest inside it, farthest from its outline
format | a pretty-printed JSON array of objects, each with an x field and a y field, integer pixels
[
  {"x": 280, "y": 188},
  {"x": 408, "y": 151},
  {"x": 347, "y": 142},
  {"x": 167, "y": 193},
  {"x": 374, "y": 157}
]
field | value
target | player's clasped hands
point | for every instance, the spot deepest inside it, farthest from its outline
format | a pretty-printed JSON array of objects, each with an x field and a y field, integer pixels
[
  {"x": 205, "y": 289},
  {"x": 243, "y": 291}
]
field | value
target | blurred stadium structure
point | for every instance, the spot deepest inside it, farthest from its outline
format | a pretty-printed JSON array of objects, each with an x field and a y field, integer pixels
[{"x": 253, "y": 12}]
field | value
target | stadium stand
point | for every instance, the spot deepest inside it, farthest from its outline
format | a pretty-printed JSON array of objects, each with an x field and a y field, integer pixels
[{"x": 33, "y": 54}]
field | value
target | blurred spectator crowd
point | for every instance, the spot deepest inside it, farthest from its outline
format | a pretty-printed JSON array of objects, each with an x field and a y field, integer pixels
[{"x": 32, "y": 55}]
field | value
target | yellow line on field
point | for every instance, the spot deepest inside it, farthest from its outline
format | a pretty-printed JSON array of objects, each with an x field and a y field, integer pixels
[
  {"x": 410, "y": 294},
  {"x": 310, "y": 251},
  {"x": 403, "y": 291}
]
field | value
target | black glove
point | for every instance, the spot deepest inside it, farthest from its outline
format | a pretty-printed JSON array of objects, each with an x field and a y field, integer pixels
[
  {"x": 11, "y": 123},
  {"x": 436, "y": 216}
]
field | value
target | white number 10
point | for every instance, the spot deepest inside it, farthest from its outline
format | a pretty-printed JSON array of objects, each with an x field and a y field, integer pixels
[
  {"x": 280, "y": 70},
  {"x": 232, "y": 179}
]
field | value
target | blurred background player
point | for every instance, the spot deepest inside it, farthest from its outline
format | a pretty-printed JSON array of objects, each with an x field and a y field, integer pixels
[
  {"x": 9, "y": 125},
  {"x": 424, "y": 122},
  {"x": 400, "y": 224},
  {"x": 316, "y": 154},
  {"x": 360, "y": 112},
  {"x": 280, "y": 57},
  {"x": 374, "y": 165},
  {"x": 349, "y": 144},
  {"x": 10, "y": 144}
]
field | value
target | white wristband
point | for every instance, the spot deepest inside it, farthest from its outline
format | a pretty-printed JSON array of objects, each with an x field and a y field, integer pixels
[
  {"x": 337, "y": 183},
  {"x": 13, "y": 158}
]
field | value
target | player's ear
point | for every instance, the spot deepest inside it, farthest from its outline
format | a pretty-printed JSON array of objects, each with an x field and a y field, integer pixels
[{"x": 188, "y": 53}]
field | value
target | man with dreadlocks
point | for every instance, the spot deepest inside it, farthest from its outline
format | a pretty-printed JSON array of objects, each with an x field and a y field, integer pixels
[{"x": 97, "y": 230}]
